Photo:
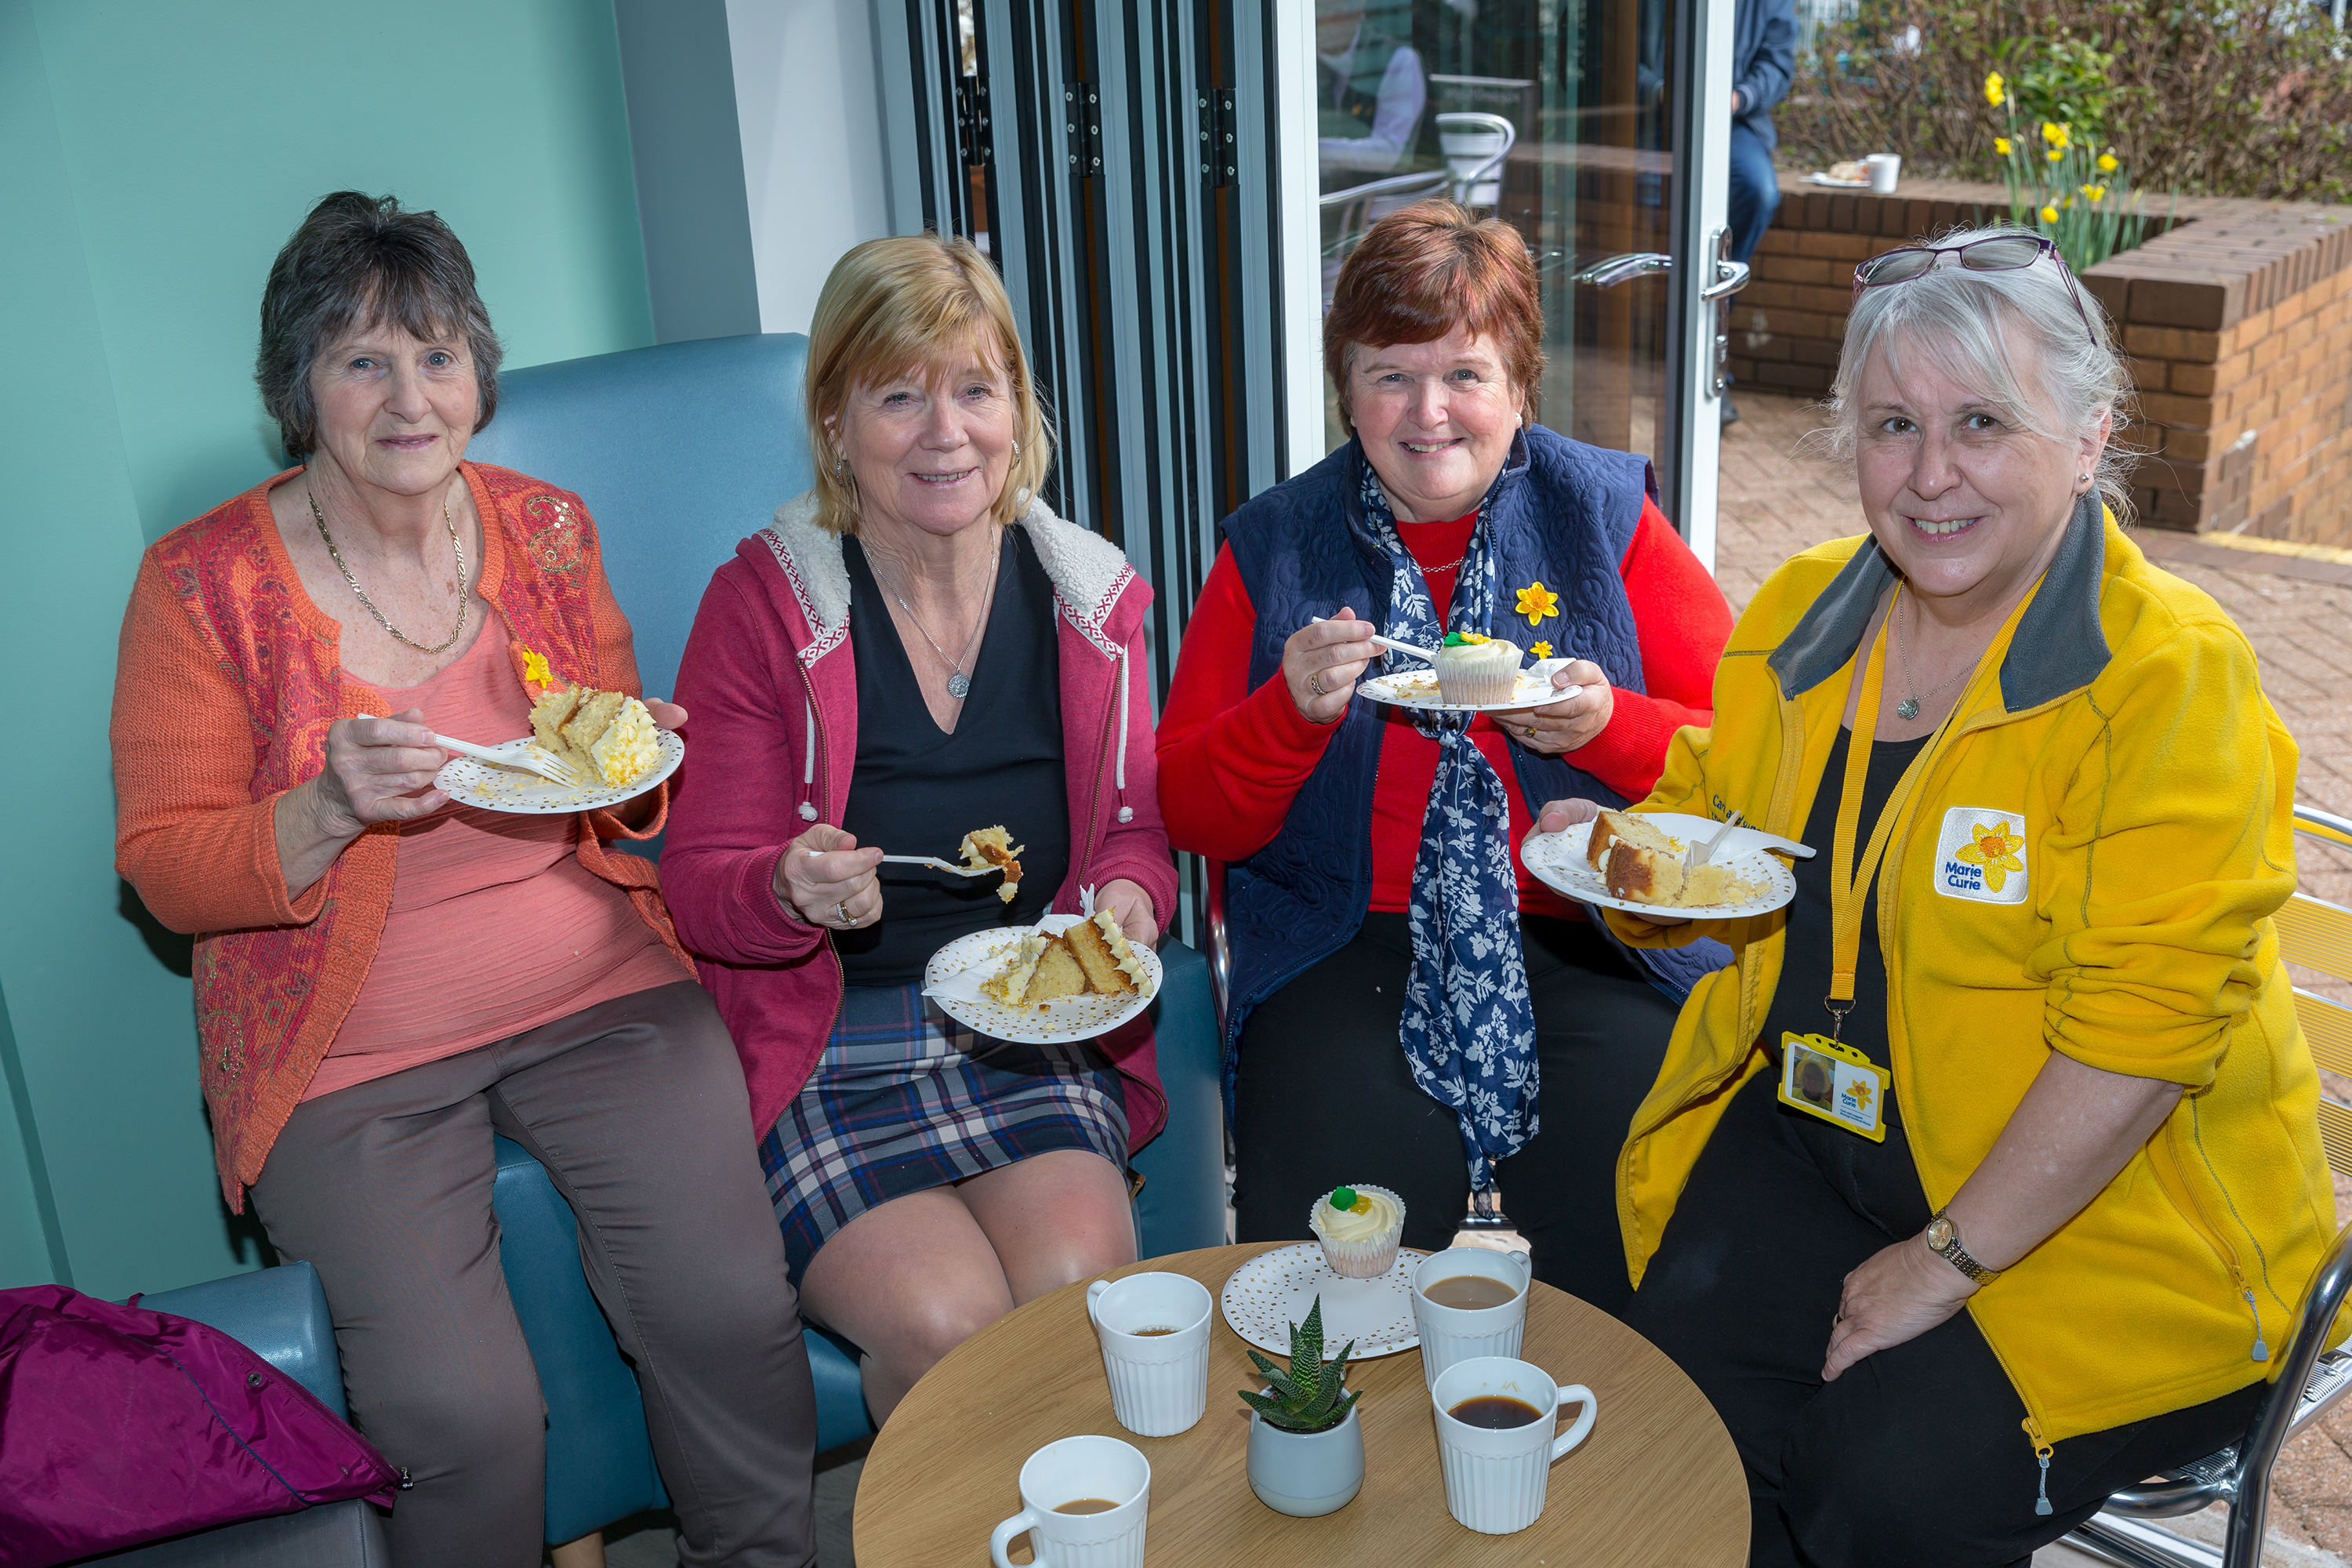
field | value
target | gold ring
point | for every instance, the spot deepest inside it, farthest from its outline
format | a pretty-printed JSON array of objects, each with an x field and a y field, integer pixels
[
  {"x": 1315, "y": 683},
  {"x": 846, "y": 918}
]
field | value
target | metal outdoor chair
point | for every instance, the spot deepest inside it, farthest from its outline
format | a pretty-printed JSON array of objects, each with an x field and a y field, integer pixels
[
  {"x": 1476, "y": 145},
  {"x": 2318, "y": 935}
]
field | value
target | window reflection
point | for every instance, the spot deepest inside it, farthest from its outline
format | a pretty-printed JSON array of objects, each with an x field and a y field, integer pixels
[{"x": 1549, "y": 114}]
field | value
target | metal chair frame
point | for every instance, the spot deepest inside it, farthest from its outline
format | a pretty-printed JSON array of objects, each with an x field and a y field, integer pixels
[{"x": 2240, "y": 1474}]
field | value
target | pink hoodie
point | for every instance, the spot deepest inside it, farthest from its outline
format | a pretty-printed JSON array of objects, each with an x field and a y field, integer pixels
[{"x": 768, "y": 661}]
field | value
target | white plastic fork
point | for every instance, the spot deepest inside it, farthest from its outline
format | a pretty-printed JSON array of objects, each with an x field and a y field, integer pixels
[
  {"x": 532, "y": 758},
  {"x": 1390, "y": 643},
  {"x": 936, "y": 864},
  {"x": 1698, "y": 854}
]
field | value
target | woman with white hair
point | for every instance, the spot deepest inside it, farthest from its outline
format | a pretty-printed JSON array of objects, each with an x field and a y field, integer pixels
[{"x": 2033, "y": 957}]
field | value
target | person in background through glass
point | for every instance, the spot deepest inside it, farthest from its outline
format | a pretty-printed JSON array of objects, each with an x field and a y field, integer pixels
[
  {"x": 1763, "y": 60},
  {"x": 1369, "y": 88}
]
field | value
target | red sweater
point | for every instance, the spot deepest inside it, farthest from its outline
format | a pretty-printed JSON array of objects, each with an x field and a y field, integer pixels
[{"x": 1231, "y": 759}]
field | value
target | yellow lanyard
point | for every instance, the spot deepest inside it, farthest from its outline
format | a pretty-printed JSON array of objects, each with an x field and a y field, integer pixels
[{"x": 1849, "y": 884}]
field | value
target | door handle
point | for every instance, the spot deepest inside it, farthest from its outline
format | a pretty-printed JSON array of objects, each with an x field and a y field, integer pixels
[
  {"x": 1730, "y": 278},
  {"x": 1616, "y": 269}
]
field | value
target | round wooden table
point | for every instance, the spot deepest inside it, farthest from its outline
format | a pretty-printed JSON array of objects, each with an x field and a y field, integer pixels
[{"x": 1658, "y": 1481}]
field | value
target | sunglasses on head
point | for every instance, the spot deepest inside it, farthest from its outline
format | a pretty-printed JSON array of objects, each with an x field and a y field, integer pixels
[{"x": 2001, "y": 253}]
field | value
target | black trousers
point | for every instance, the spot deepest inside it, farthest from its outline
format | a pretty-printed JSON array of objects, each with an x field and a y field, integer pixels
[
  {"x": 1325, "y": 1096},
  {"x": 1914, "y": 1455}
]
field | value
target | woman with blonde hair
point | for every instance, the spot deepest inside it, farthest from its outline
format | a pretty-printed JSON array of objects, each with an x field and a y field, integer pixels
[{"x": 918, "y": 647}]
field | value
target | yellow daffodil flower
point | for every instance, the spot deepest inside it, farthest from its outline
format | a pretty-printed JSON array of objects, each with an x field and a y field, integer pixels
[
  {"x": 1994, "y": 848},
  {"x": 2107, "y": 165},
  {"x": 2057, "y": 135},
  {"x": 2096, "y": 193},
  {"x": 1996, "y": 89},
  {"x": 534, "y": 667},
  {"x": 1535, "y": 601},
  {"x": 1542, "y": 650},
  {"x": 1862, "y": 1092},
  {"x": 2048, "y": 215},
  {"x": 2000, "y": 145},
  {"x": 2055, "y": 154}
]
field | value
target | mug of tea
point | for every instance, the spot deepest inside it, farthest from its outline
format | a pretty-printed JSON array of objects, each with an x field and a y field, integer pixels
[
  {"x": 1083, "y": 1501},
  {"x": 1154, "y": 1330},
  {"x": 1468, "y": 1301},
  {"x": 1494, "y": 1438}
]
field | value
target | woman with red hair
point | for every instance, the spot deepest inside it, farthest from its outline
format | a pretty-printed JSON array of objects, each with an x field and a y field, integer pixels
[{"x": 1401, "y": 990}]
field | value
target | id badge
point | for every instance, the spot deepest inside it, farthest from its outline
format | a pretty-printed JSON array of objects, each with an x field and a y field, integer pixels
[{"x": 1837, "y": 1083}]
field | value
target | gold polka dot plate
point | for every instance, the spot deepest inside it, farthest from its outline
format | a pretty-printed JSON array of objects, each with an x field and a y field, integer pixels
[{"x": 1273, "y": 1290}]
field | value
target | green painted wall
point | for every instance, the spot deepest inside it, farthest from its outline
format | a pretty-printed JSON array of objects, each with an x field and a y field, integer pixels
[{"x": 154, "y": 155}]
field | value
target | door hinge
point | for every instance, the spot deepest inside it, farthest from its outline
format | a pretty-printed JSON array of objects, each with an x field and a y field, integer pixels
[
  {"x": 973, "y": 134},
  {"x": 1219, "y": 154},
  {"x": 1081, "y": 124}
]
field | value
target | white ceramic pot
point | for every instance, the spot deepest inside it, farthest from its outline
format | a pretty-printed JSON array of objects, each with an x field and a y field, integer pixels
[{"x": 1307, "y": 1474}]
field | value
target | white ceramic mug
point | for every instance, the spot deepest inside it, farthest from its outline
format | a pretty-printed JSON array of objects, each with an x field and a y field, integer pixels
[
  {"x": 1159, "y": 1382},
  {"x": 1884, "y": 167},
  {"x": 1076, "y": 1469},
  {"x": 1495, "y": 1477},
  {"x": 1449, "y": 1334}
]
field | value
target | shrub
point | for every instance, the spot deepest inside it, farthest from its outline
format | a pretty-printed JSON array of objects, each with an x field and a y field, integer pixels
[{"x": 2198, "y": 97}]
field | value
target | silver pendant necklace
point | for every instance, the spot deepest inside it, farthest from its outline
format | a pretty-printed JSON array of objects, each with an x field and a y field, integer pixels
[
  {"x": 1908, "y": 709},
  {"x": 959, "y": 683}
]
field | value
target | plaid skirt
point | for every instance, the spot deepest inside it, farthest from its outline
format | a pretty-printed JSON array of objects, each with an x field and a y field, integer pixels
[{"x": 907, "y": 1099}]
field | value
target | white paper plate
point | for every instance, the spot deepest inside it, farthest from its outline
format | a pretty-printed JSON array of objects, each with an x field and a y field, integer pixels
[
  {"x": 1835, "y": 184},
  {"x": 1418, "y": 689},
  {"x": 1274, "y": 1290},
  {"x": 495, "y": 788},
  {"x": 952, "y": 979},
  {"x": 1558, "y": 861}
]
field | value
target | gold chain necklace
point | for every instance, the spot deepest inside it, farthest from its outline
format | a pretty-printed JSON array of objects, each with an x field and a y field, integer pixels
[{"x": 320, "y": 519}]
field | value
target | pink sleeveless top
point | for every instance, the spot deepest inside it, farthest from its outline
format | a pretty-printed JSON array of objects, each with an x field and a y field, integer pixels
[{"x": 495, "y": 926}]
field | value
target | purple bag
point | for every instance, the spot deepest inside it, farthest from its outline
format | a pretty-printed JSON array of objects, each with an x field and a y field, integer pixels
[{"x": 119, "y": 1425}]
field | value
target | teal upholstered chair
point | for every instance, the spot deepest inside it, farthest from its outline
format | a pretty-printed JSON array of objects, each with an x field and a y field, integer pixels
[{"x": 680, "y": 451}]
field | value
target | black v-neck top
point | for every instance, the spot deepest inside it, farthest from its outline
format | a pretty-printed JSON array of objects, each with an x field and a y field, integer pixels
[
  {"x": 918, "y": 791},
  {"x": 1805, "y": 960}
]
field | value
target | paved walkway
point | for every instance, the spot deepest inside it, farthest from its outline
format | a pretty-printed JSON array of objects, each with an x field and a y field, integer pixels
[{"x": 1777, "y": 499}]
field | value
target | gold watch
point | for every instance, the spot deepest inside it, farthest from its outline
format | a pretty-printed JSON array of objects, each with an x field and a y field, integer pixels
[{"x": 1943, "y": 1240}]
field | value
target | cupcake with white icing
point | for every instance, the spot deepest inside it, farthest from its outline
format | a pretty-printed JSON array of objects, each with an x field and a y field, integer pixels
[
  {"x": 1360, "y": 1227},
  {"x": 1475, "y": 670}
]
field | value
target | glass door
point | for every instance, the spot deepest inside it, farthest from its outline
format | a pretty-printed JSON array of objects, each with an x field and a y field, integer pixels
[{"x": 1577, "y": 122}]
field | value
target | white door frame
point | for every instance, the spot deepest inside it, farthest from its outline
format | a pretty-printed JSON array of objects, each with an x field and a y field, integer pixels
[{"x": 1693, "y": 449}]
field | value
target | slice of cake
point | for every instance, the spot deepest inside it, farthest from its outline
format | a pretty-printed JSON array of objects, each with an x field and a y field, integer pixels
[
  {"x": 1644, "y": 866},
  {"x": 1012, "y": 986},
  {"x": 1092, "y": 958},
  {"x": 1058, "y": 974},
  {"x": 1101, "y": 949},
  {"x": 995, "y": 847},
  {"x": 1636, "y": 861},
  {"x": 607, "y": 737}
]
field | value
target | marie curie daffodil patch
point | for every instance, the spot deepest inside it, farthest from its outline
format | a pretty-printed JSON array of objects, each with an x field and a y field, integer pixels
[
  {"x": 535, "y": 670},
  {"x": 1535, "y": 601},
  {"x": 1542, "y": 650},
  {"x": 1994, "y": 848}
]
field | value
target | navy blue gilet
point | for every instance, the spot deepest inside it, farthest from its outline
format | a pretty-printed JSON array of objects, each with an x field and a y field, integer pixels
[{"x": 1563, "y": 513}]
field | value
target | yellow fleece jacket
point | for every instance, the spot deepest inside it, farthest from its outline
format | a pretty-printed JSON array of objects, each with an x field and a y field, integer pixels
[{"x": 2117, "y": 742}]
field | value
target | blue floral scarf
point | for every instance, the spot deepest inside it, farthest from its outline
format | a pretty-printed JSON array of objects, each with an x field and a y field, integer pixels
[{"x": 1469, "y": 1028}]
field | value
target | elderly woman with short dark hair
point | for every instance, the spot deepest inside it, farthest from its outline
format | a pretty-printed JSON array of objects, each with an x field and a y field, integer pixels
[
  {"x": 1401, "y": 989},
  {"x": 386, "y": 978},
  {"x": 2035, "y": 1229}
]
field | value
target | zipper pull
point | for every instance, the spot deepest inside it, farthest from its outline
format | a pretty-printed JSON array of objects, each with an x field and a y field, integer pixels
[
  {"x": 2042, "y": 1452},
  {"x": 2262, "y": 1351}
]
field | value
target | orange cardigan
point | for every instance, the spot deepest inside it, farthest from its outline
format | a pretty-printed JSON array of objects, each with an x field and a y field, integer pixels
[{"x": 227, "y": 680}]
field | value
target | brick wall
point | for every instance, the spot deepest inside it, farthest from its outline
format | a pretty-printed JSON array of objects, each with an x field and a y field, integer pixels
[{"x": 2237, "y": 320}]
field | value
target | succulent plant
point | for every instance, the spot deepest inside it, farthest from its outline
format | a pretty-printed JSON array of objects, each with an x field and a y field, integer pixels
[{"x": 1312, "y": 1396}]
